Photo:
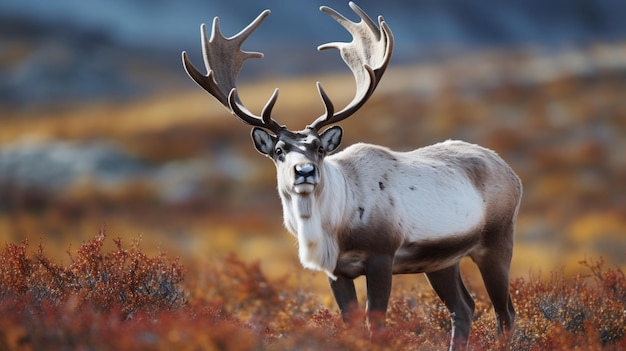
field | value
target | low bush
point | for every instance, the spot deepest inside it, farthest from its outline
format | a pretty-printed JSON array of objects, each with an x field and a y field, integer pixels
[
  {"x": 125, "y": 299},
  {"x": 123, "y": 279}
]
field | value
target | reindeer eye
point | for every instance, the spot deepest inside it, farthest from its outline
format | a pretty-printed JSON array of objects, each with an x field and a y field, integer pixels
[
  {"x": 321, "y": 150},
  {"x": 278, "y": 151}
]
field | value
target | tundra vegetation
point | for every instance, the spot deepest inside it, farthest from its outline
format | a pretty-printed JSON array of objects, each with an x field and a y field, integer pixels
[{"x": 125, "y": 299}]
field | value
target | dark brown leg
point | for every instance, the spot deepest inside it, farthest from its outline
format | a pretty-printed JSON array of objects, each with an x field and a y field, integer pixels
[
  {"x": 494, "y": 264},
  {"x": 495, "y": 275},
  {"x": 379, "y": 276},
  {"x": 448, "y": 284},
  {"x": 345, "y": 295}
]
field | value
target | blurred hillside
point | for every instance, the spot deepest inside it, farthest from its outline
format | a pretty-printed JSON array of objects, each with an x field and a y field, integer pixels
[
  {"x": 99, "y": 50},
  {"x": 102, "y": 128}
]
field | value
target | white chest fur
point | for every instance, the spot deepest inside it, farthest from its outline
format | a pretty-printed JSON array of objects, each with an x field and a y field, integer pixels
[{"x": 317, "y": 249}]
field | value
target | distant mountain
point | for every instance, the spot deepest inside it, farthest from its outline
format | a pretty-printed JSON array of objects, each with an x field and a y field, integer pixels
[{"x": 120, "y": 49}]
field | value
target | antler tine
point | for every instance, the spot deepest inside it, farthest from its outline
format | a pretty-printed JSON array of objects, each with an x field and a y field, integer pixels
[
  {"x": 223, "y": 59},
  {"x": 367, "y": 56}
]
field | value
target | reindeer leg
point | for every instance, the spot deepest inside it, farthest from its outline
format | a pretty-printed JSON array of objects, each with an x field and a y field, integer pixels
[
  {"x": 378, "y": 275},
  {"x": 494, "y": 264},
  {"x": 495, "y": 273},
  {"x": 448, "y": 284},
  {"x": 496, "y": 279},
  {"x": 345, "y": 295}
]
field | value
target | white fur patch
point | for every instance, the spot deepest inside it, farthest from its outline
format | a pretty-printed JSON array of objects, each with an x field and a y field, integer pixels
[
  {"x": 429, "y": 199},
  {"x": 440, "y": 205},
  {"x": 304, "y": 189},
  {"x": 304, "y": 204},
  {"x": 316, "y": 249},
  {"x": 313, "y": 221}
]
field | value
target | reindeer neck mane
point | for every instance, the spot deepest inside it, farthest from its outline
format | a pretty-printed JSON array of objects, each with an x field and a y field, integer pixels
[{"x": 314, "y": 221}]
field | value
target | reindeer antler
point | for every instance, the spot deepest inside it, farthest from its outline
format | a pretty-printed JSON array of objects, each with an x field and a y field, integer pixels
[
  {"x": 224, "y": 59},
  {"x": 367, "y": 56}
]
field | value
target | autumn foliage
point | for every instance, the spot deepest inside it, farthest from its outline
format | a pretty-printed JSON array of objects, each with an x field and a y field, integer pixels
[
  {"x": 124, "y": 299},
  {"x": 124, "y": 279}
]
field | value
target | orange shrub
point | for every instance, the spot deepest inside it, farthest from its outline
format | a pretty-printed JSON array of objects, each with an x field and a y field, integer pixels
[
  {"x": 123, "y": 300},
  {"x": 125, "y": 279}
]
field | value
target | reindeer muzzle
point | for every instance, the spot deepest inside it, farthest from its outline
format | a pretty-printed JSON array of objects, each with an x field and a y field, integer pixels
[{"x": 305, "y": 177}]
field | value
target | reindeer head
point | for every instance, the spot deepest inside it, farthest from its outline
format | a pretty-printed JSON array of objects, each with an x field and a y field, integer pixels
[{"x": 298, "y": 155}]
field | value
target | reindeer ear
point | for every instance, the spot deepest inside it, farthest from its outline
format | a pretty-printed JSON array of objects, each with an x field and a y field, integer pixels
[
  {"x": 331, "y": 138},
  {"x": 263, "y": 141}
]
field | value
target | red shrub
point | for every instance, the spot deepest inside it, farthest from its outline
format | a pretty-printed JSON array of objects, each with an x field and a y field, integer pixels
[
  {"x": 126, "y": 300},
  {"x": 124, "y": 279}
]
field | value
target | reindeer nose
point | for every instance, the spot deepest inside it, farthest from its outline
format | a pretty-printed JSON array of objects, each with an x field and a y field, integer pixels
[{"x": 305, "y": 170}]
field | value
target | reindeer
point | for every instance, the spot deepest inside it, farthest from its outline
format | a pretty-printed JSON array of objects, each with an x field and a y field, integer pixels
[{"x": 368, "y": 210}]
